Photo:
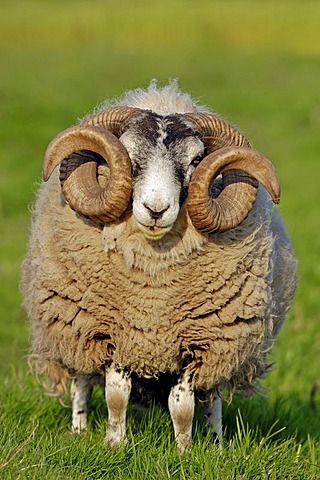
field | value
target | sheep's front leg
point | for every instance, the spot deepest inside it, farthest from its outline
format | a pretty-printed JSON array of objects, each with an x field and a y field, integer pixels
[
  {"x": 181, "y": 406},
  {"x": 81, "y": 389},
  {"x": 212, "y": 409},
  {"x": 117, "y": 391}
]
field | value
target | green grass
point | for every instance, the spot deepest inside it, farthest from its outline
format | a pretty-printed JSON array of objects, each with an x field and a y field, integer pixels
[{"x": 258, "y": 64}]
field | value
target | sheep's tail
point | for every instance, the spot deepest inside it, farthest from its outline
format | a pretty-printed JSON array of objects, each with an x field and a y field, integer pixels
[{"x": 52, "y": 376}]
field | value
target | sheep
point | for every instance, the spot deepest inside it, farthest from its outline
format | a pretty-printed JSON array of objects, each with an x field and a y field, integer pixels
[{"x": 157, "y": 263}]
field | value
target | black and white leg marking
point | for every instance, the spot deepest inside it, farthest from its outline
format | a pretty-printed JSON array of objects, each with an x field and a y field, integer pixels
[
  {"x": 181, "y": 406},
  {"x": 117, "y": 392},
  {"x": 212, "y": 409},
  {"x": 81, "y": 389}
]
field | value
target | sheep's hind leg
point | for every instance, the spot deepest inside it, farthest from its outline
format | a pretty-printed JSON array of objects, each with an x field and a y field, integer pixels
[
  {"x": 81, "y": 389},
  {"x": 212, "y": 409},
  {"x": 181, "y": 406},
  {"x": 117, "y": 392}
]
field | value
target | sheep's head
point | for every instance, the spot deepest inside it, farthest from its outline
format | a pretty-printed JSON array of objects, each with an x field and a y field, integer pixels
[{"x": 156, "y": 164}]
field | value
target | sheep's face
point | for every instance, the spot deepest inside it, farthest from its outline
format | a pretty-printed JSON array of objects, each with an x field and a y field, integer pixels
[
  {"x": 153, "y": 165},
  {"x": 163, "y": 153}
]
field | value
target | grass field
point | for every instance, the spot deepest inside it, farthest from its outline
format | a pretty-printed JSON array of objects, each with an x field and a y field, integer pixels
[{"x": 256, "y": 63}]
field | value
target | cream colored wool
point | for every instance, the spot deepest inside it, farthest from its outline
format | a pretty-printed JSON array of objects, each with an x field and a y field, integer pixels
[{"x": 209, "y": 303}]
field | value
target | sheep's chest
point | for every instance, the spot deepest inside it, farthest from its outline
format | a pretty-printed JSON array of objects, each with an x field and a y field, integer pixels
[
  {"x": 156, "y": 323},
  {"x": 209, "y": 308}
]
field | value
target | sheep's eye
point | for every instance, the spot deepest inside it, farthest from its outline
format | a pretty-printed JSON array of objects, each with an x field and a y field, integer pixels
[{"x": 196, "y": 160}]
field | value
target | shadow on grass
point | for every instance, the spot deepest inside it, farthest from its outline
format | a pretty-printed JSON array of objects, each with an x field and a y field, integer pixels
[{"x": 282, "y": 417}]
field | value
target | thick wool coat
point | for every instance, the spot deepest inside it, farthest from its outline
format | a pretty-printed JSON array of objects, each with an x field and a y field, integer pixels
[{"x": 211, "y": 304}]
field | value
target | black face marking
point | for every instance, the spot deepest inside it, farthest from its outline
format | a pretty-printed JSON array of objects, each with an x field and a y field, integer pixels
[
  {"x": 178, "y": 129},
  {"x": 136, "y": 169},
  {"x": 146, "y": 126},
  {"x": 146, "y": 130},
  {"x": 180, "y": 176},
  {"x": 179, "y": 173}
]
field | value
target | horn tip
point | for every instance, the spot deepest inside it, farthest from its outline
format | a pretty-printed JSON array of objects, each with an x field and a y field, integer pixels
[
  {"x": 276, "y": 196},
  {"x": 46, "y": 170}
]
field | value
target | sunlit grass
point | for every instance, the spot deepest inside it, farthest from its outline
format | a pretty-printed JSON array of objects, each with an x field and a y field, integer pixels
[{"x": 36, "y": 443}]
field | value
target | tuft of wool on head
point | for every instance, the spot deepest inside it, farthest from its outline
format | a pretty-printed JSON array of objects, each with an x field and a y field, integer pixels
[{"x": 164, "y": 100}]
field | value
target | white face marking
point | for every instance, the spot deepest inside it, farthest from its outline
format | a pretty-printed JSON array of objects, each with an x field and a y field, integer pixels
[
  {"x": 164, "y": 170},
  {"x": 156, "y": 196}
]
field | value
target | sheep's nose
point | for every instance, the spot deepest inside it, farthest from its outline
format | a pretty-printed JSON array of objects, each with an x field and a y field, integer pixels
[{"x": 155, "y": 214}]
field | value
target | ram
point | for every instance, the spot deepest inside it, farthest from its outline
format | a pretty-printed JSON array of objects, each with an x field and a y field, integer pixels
[{"x": 156, "y": 261}]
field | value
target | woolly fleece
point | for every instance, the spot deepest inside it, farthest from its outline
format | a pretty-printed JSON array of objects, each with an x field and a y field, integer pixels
[{"x": 210, "y": 304}]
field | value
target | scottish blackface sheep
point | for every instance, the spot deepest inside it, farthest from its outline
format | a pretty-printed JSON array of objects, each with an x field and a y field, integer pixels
[{"x": 156, "y": 259}]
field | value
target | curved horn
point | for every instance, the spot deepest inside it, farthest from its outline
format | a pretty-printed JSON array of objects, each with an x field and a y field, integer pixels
[
  {"x": 238, "y": 195},
  {"x": 113, "y": 119},
  {"x": 238, "y": 199},
  {"x": 217, "y": 133},
  {"x": 78, "y": 172}
]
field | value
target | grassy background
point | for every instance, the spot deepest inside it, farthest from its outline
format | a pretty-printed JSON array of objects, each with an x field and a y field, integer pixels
[{"x": 256, "y": 63}]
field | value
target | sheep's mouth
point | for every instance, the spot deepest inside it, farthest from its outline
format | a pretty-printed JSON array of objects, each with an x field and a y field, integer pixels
[{"x": 153, "y": 232}]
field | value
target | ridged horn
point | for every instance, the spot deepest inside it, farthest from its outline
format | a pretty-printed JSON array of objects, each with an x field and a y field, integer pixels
[
  {"x": 238, "y": 194},
  {"x": 112, "y": 119},
  {"x": 76, "y": 149},
  {"x": 217, "y": 133},
  {"x": 236, "y": 201}
]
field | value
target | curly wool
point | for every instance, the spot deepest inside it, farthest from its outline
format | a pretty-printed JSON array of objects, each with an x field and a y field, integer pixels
[{"x": 211, "y": 304}]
